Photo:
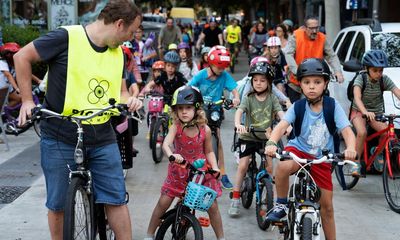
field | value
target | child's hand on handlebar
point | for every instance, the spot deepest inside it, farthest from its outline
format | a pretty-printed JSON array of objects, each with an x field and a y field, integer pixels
[
  {"x": 236, "y": 102},
  {"x": 178, "y": 158},
  {"x": 350, "y": 154},
  {"x": 240, "y": 129},
  {"x": 369, "y": 116},
  {"x": 270, "y": 150}
]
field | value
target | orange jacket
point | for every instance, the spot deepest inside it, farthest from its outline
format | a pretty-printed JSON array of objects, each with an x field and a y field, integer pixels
[{"x": 306, "y": 48}]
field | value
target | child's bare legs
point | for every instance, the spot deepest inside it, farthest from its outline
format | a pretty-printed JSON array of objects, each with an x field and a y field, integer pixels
[
  {"x": 378, "y": 126},
  {"x": 221, "y": 164},
  {"x": 240, "y": 173},
  {"x": 216, "y": 221},
  {"x": 163, "y": 204},
  {"x": 327, "y": 214},
  {"x": 359, "y": 124}
]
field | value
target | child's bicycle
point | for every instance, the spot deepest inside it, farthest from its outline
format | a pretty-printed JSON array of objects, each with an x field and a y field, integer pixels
[
  {"x": 304, "y": 219},
  {"x": 391, "y": 169},
  {"x": 214, "y": 113},
  {"x": 83, "y": 219},
  {"x": 160, "y": 131},
  {"x": 181, "y": 222},
  {"x": 154, "y": 109},
  {"x": 258, "y": 180}
]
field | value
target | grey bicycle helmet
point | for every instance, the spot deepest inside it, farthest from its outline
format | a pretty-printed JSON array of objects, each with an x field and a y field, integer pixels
[
  {"x": 313, "y": 67},
  {"x": 262, "y": 68},
  {"x": 187, "y": 95},
  {"x": 375, "y": 58},
  {"x": 205, "y": 50},
  {"x": 172, "y": 57}
]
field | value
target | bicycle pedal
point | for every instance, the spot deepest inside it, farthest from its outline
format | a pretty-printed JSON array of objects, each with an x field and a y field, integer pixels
[{"x": 204, "y": 221}]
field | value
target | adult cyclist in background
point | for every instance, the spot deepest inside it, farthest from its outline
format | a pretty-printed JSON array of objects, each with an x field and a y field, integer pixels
[
  {"x": 233, "y": 37},
  {"x": 82, "y": 59}
]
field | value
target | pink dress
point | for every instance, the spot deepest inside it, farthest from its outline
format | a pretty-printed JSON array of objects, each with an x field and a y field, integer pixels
[{"x": 191, "y": 149}]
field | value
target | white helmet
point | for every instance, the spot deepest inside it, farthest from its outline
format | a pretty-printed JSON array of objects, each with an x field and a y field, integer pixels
[{"x": 273, "y": 41}]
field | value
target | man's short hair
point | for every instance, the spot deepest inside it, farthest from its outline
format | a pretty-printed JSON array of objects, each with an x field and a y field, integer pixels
[
  {"x": 310, "y": 17},
  {"x": 120, "y": 9}
]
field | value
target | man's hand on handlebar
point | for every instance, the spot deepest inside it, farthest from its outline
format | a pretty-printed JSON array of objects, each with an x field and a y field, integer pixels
[
  {"x": 134, "y": 104},
  {"x": 25, "y": 112}
]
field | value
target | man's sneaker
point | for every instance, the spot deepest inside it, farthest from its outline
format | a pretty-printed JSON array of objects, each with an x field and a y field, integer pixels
[
  {"x": 234, "y": 209},
  {"x": 356, "y": 170},
  {"x": 225, "y": 182},
  {"x": 277, "y": 213}
]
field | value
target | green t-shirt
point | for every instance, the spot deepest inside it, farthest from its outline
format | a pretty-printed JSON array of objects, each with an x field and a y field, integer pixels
[
  {"x": 372, "y": 97},
  {"x": 259, "y": 114}
]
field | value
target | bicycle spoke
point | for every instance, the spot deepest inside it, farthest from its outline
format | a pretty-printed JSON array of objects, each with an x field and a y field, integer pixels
[{"x": 82, "y": 217}]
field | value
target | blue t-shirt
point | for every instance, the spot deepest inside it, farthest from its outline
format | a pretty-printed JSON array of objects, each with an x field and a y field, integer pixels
[
  {"x": 314, "y": 134},
  {"x": 213, "y": 89}
]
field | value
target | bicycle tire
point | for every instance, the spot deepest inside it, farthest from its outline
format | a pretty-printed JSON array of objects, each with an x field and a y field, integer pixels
[
  {"x": 265, "y": 204},
  {"x": 214, "y": 142},
  {"x": 188, "y": 220},
  {"x": 392, "y": 195},
  {"x": 159, "y": 133},
  {"x": 246, "y": 192},
  {"x": 350, "y": 181},
  {"x": 152, "y": 123},
  {"x": 78, "y": 199},
  {"x": 103, "y": 230},
  {"x": 307, "y": 228}
]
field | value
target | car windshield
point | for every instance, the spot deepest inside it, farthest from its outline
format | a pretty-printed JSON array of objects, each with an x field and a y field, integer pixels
[{"x": 390, "y": 43}]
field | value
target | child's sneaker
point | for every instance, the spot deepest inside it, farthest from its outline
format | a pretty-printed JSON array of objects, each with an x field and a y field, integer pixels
[
  {"x": 277, "y": 213},
  {"x": 225, "y": 182},
  {"x": 234, "y": 208},
  {"x": 356, "y": 170}
]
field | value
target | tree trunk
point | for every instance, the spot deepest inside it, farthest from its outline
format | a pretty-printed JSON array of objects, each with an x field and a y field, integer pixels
[{"x": 332, "y": 19}]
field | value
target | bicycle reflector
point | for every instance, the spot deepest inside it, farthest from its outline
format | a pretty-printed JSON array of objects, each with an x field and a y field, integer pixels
[
  {"x": 204, "y": 221},
  {"x": 78, "y": 155}
]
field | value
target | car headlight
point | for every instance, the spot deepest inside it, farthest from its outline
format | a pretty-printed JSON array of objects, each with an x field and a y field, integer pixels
[{"x": 215, "y": 116}]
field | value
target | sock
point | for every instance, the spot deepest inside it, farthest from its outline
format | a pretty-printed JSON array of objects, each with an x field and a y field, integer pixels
[
  {"x": 282, "y": 200},
  {"x": 236, "y": 194}
]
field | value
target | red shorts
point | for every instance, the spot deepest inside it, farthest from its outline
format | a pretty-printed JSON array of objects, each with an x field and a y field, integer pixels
[{"x": 320, "y": 172}]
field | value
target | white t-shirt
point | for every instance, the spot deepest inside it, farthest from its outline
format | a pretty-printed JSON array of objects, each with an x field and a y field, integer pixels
[{"x": 3, "y": 80}]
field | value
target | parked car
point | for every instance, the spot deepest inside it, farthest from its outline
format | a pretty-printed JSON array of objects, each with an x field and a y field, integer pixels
[{"x": 352, "y": 42}]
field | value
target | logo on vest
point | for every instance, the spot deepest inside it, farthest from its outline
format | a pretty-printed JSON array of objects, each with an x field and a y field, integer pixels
[{"x": 99, "y": 91}]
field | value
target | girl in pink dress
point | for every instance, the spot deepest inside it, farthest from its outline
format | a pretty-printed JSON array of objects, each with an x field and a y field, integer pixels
[{"x": 189, "y": 138}]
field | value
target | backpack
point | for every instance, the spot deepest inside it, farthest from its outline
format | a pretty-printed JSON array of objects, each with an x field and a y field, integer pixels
[
  {"x": 350, "y": 87},
  {"x": 328, "y": 109}
]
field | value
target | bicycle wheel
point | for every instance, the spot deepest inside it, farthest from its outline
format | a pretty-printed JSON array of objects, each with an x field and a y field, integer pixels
[
  {"x": 103, "y": 230},
  {"x": 265, "y": 203},
  {"x": 152, "y": 123},
  {"x": 214, "y": 142},
  {"x": 188, "y": 228},
  {"x": 247, "y": 192},
  {"x": 391, "y": 185},
  {"x": 78, "y": 212},
  {"x": 307, "y": 228},
  {"x": 159, "y": 133},
  {"x": 349, "y": 180}
]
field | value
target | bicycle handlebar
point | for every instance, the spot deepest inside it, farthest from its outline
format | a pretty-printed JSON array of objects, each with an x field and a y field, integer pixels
[
  {"x": 384, "y": 117},
  {"x": 194, "y": 169},
  {"x": 227, "y": 103},
  {"x": 328, "y": 157}
]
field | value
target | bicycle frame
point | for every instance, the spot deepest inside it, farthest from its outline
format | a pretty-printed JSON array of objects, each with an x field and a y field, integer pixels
[{"x": 389, "y": 136}]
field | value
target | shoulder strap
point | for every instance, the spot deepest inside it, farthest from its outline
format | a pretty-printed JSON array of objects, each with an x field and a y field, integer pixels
[
  {"x": 299, "y": 109},
  {"x": 329, "y": 111},
  {"x": 364, "y": 78}
]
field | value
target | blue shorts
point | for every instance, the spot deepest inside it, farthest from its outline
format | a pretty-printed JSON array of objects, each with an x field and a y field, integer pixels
[{"x": 104, "y": 164}]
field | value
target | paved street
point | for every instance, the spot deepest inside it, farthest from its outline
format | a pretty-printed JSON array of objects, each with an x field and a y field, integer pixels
[{"x": 361, "y": 213}]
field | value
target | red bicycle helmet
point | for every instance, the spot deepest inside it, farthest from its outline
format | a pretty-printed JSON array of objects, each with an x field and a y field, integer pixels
[
  {"x": 219, "y": 56},
  {"x": 158, "y": 65},
  {"x": 10, "y": 47}
]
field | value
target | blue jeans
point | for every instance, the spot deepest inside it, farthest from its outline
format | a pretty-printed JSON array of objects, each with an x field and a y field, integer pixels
[{"x": 104, "y": 164}]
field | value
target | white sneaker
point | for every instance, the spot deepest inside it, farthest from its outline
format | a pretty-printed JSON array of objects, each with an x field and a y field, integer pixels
[{"x": 234, "y": 208}]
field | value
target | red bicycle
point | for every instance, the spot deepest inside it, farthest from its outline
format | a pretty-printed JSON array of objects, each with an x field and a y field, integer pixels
[{"x": 391, "y": 169}]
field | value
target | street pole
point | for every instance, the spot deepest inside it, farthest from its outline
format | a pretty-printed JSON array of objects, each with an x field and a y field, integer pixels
[
  {"x": 332, "y": 18},
  {"x": 375, "y": 9}
]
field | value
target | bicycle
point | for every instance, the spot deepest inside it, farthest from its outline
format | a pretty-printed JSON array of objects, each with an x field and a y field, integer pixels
[
  {"x": 304, "y": 219},
  {"x": 214, "y": 113},
  {"x": 232, "y": 49},
  {"x": 83, "y": 219},
  {"x": 181, "y": 222},
  {"x": 155, "y": 108},
  {"x": 258, "y": 180},
  {"x": 160, "y": 131},
  {"x": 391, "y": 169}
]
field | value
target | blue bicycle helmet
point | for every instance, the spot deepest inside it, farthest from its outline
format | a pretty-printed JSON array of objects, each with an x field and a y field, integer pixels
[
  {"x": 375, "y": 58},
  {"x": 172, "y": 57}
]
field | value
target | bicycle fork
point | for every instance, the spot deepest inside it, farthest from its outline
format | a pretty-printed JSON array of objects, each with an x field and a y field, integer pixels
[{"x": 303, "y": 212}]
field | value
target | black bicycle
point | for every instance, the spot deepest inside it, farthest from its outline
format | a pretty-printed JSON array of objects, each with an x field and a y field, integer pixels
[
  {"x": 180, "y": 222},
  {"x": 83, "y": 219},
  {"x": 214, "y": 114}
]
